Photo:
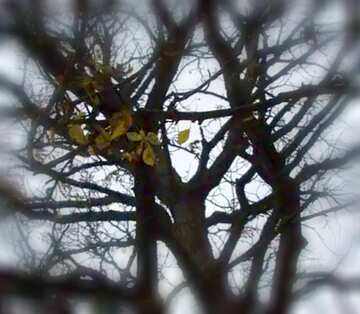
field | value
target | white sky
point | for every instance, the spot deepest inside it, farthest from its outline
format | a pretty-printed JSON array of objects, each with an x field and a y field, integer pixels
[{"x": 331, "y": 241}]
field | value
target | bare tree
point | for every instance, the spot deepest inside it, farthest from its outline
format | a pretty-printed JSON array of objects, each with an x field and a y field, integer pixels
[{"x": 181, "y": 135}]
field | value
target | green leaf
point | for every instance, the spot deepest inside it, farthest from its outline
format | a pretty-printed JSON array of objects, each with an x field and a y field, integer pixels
[{"x": 183, "y": 136}]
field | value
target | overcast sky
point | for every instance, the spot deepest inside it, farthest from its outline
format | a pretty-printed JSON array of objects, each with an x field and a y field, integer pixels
[{"x": 334, "y": 242}]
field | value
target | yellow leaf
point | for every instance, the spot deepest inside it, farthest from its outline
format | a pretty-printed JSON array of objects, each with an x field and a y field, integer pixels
[
  {"x": 119, "y": 130},
  {"x": 134, "y": 136},
  {"x": 79, "y": 116},
  {"x": 90, "y": 90},
  {"x": 51, "y": 134},
  {"x": 101, "y": 143},
  {"x": 149, "y": 156},
  {"x": 103, "y": 140},
  {"x": 248, "y": 118},
  {"x": 92, "y": 150},
  {"x": 128, "y": 118},
  {"x": 128, "y": 156},
  {"x": 114, "y": 119},
  {"x": 121, "y": 116},
  {"x": 60, "y": 78},
  {"x": 139, "y": 150},
  {"x": 94, "y": 99},
  {"x": 183, "y": 136},
  {"x": 152, "y": 138},
  {"x": 120, "y": 122},
  {"x": 66, "y": 109},
  {"x": 77, "y": 134}
]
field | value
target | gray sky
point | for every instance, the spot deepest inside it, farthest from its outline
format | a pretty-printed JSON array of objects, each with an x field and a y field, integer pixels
[{"x": 334, "y": 242}]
